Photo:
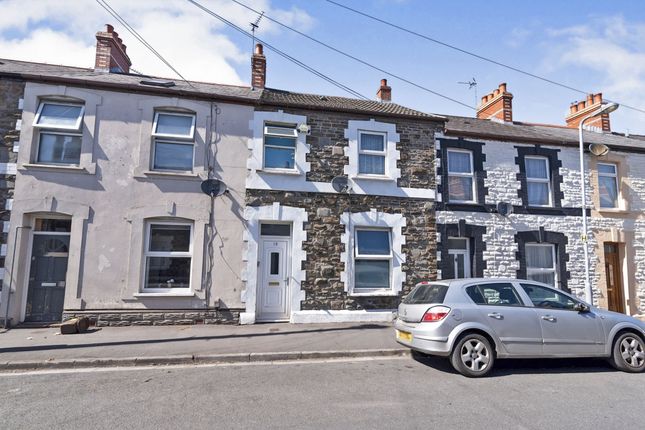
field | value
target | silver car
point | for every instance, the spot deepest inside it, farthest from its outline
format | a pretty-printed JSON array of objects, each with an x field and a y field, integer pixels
[{"x": 476, "y": 321}]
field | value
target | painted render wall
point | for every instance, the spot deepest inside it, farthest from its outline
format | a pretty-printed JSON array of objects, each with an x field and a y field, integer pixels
[
  {"x": 114, "y": 192},
  {"x": 621, "y": 226}
]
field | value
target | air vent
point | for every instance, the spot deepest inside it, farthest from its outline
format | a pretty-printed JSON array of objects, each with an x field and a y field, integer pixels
[{"x": 157, "y": 83}]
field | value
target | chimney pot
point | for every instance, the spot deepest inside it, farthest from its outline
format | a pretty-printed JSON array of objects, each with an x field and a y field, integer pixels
[
  {"x": 109, "y": 28},
  {"x": 581, "y": 105},
  {"x": 259, "y": 49},
  {"x": 496, "y": 92},
  {"x": 597, "y": 98},
  {"x": 590, "y": 99},
  {"x": 502, "y": 87}
]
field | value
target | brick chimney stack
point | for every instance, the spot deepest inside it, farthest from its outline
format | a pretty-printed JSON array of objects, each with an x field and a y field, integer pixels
[
  {"x": 384, "y": 93},
  {"x": 578, "y": 110},
  {"x": 111, "y": 53},
  {"x": 258, "y": 68},
  {"x": 497, "y": 105}
]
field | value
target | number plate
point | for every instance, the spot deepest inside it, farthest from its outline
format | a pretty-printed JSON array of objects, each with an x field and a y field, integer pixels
[{"x": 404, "y": 335}]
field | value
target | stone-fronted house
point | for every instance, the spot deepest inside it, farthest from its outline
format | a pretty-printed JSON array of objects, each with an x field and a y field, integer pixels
[
  {"x": 509, "y": 203},
  {"x": 141, "y": 200}
]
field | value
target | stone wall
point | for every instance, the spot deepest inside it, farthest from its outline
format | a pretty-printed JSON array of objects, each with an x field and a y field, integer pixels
[
  {"x": 11, "y": 92},
  {"x": 323, "y": 287},
  {"x": 157, "y": 317}
]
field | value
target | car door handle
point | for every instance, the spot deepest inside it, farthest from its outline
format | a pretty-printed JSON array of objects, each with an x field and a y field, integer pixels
[
  {"x": 496, "y": 315},
  {"x": 549, "y": 318}
]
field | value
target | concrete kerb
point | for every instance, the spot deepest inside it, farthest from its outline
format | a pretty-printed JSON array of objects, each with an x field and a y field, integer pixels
[{"x": 255, "y": 357}]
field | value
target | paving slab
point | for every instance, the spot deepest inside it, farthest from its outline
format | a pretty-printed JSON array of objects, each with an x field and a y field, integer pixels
[{"x": 148, "y": 344}]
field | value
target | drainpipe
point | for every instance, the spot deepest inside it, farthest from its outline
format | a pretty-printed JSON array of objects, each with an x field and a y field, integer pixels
[{"x": 13, "y": 262}]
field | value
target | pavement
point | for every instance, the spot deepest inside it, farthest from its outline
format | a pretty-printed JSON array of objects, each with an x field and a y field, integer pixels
[{"x": 38, "y": 348}]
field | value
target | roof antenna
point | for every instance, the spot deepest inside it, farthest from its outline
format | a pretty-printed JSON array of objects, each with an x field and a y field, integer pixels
[
  {"x": 254, "y": 26},
  {"x": 471, "y": 84}
]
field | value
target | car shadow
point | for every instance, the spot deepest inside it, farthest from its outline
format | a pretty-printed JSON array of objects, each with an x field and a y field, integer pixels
[{"x": 525, "y": 366}]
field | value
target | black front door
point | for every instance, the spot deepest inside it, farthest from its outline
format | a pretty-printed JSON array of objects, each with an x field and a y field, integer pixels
[{"x": 46, "y": 294}]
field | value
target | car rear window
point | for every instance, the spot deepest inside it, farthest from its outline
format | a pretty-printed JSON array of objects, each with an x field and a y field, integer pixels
[{"x": 426, "y": 293}]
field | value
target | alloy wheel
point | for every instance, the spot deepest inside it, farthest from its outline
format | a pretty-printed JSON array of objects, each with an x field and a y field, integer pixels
[
  {"x": 475, "y": 355},
  {"x": 632, "y": 352}
]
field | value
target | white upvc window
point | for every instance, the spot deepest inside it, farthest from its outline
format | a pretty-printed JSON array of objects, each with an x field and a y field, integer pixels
[
  {"x": 60, "y": 133},
  {"x": 538, "y": 181},
  {"x": 459, "y": 254},
  {"x": 173, "y": 141},
  {"x": 608, "y": 185},
  {"x": 541, "y": 265},
  {"x": 372, "y": 153},
  {"x": 372, "y": 259},
  {"x": 280, "y": 141},
  {"x": 461, "y": 176},
  {"x": 168, "y": 257}
]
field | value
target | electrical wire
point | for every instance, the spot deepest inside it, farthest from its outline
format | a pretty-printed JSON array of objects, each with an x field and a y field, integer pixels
[
  {"x": 473, "y": 54},
  {"x": 364, "y": 62},
  {"x": 279, "y": 52},
  {"x": 105, "y": 5}
]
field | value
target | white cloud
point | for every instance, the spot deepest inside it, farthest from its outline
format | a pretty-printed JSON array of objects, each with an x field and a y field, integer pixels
[
  {"x": 62, "y": 32},
  {"x": 610, "y": 47}
]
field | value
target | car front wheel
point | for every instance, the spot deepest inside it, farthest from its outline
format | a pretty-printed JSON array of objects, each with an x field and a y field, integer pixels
[
  {"x": 473, "y": 356},
  {"x": 628, "y": 354}
]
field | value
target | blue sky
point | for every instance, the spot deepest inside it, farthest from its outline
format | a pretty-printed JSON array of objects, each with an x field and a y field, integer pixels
[{"x": 592, "y": 45}]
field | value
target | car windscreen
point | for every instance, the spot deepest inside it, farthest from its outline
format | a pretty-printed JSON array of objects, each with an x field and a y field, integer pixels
[{"x": 426, "y": 293}]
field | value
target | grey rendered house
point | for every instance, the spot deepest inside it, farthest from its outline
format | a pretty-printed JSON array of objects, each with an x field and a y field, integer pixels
[
  {"x": 509, "y": 203},
  {"x": 116, "y": 212}
]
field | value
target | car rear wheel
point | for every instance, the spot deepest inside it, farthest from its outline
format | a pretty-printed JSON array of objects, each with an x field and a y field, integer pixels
[
  {"x": 473, "y": 356},
  {"x": 628, "y": 354}
]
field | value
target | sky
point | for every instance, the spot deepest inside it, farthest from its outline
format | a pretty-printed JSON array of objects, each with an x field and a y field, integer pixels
[{"x": 595, "y": 46}]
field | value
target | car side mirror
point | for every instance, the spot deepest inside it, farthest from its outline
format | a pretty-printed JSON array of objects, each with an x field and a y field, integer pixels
[{"x": 581, "y": 307}]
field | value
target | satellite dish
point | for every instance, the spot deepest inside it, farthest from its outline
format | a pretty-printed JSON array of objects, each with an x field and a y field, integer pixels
[
  {"x": 598, "y": 149},
  {"x": 213, "y": 187},
  {"x": 340, "y": 184},
  {"x": 304, "y": 128},
  {"x": 504, "y": 208}
]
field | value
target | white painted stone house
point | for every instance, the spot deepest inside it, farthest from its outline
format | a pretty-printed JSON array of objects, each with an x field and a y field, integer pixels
[{"x": 492, "y": 164}]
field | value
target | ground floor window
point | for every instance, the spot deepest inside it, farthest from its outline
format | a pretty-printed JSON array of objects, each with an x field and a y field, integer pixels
[
  {"x": 459, "y": 256},
  {"x": 372, "y": 258},
  {"x": 168, "y": 256},
  {"x": 541, "y": 263}
]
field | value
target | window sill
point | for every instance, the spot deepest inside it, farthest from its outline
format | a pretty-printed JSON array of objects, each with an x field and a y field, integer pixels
[
  {"x": 170, "y": 175},
  {"x": 53, "y": 168},
  {"x": 280, "y": 172},
  {"x": 383, "y": 293},
  {"x": 615, "y": 211},
  {"x": 169, "y": 294},
  {"x": 374, "y": 178}
]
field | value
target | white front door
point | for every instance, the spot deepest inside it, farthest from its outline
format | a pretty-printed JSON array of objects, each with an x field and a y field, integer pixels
[{"x": 273, "y": 303}]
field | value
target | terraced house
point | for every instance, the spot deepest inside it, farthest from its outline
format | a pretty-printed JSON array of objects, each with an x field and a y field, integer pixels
[
  {"x": 141, "y": 200},
  {"x": 509, "y": 202}
]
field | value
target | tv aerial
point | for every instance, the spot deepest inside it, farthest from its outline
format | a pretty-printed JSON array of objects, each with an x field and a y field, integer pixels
[
  {"x": 471, "y": 84},
  {"x": 254, "y": 26}
]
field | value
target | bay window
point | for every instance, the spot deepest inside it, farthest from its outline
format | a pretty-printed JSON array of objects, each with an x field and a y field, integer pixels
[
  {"x": 168, "y": 256},
  {"x": 372, "y": 259},
  {"x": 608, "y": 185},
  {"x": 174, "y": 135},
  {"x": 59, "y": 132},
  {"x": 538, "y": 181},
  {"x": 461, "y": 177}
]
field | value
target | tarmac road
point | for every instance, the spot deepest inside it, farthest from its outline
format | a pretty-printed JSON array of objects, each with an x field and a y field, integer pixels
[{"x": 353, "y": 394}]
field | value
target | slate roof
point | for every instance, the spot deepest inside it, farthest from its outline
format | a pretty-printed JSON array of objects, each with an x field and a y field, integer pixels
[
  {"x": 41, "y": 72},
  {"x": 535, "y": 133}
]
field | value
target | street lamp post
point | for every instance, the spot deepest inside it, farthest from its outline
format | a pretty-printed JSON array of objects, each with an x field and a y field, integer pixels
[{"x": 607, "y": 108}]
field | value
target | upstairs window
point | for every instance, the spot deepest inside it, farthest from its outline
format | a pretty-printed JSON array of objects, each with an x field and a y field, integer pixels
[
  {"x": 174, "y": 141},
  {"x": 60, "y": 134},
  {"x": 461, "y": 177},
  {"x": 371, "y": 153},
  {"x": 608, "y": 185},
  {"x": 372, "y": 259},
  {"x": 541, "y": 263},
  {"x": 280, "y": 146},
  {"x": 538, "y": 181}
]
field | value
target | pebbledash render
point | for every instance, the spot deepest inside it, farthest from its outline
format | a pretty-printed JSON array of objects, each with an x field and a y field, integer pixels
[
  {"x": 148, "y": 201},
  {"x": 509, "y": 202}
]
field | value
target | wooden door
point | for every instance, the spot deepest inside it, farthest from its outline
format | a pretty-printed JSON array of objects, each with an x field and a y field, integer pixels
[{"x": 615, "y": 297}]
